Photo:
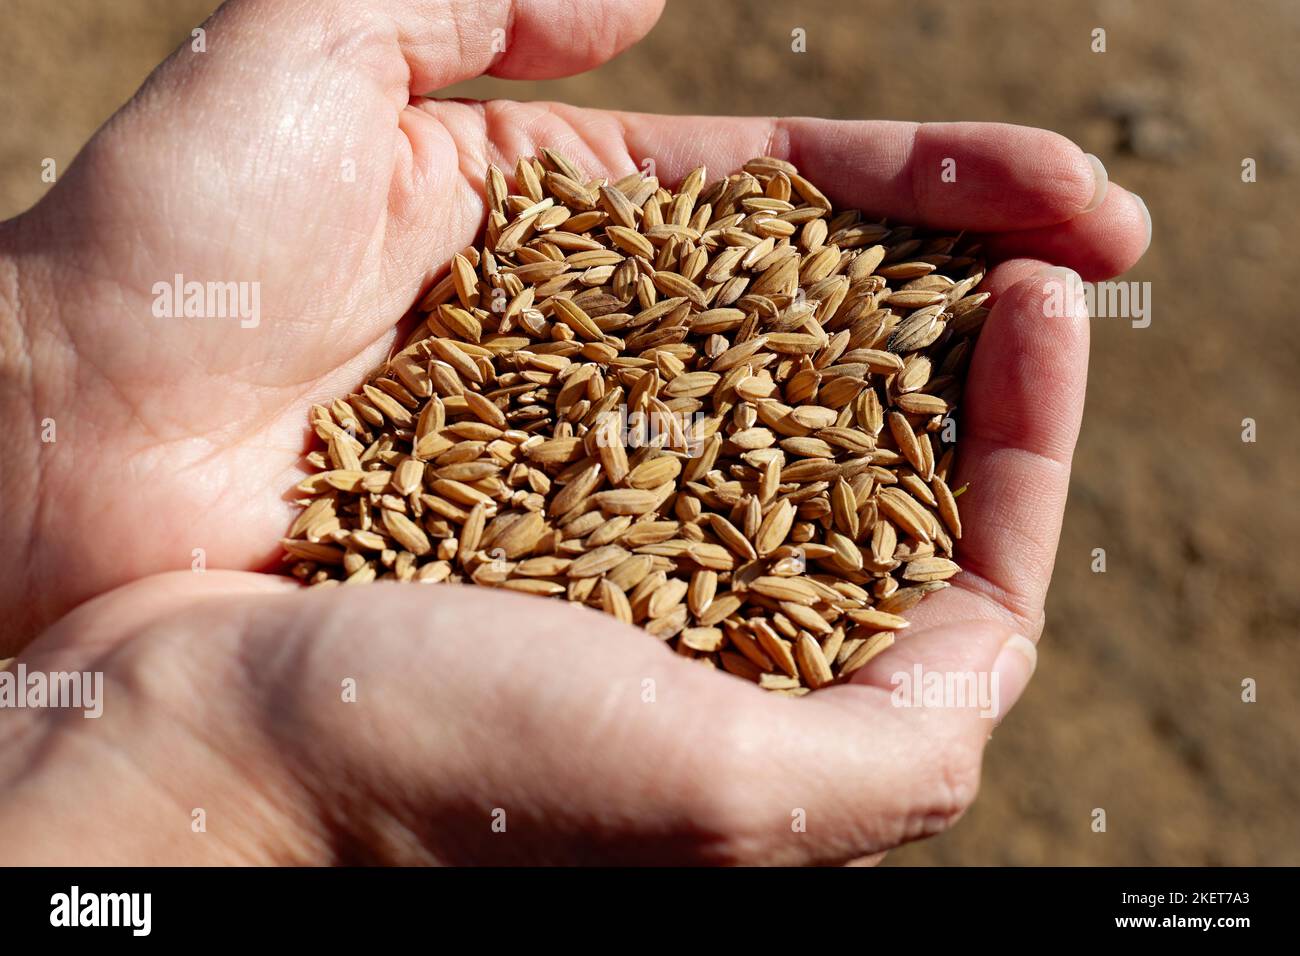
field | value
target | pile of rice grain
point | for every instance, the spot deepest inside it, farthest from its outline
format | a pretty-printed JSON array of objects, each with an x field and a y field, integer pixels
[{"x": 722, "y": 414}]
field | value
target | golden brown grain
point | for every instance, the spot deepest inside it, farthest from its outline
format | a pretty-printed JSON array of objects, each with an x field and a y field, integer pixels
[{"x": 716, "y": 413}]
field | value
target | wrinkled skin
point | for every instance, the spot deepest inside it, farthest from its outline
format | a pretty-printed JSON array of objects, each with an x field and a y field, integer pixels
[{"x": 223, "y": 689}]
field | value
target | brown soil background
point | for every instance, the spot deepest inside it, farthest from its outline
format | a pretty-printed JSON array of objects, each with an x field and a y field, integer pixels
[{"x": 1136, "y": 705}]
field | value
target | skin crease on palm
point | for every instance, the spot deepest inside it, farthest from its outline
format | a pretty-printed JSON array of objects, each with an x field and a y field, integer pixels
[{"x": 222, "y": 689}]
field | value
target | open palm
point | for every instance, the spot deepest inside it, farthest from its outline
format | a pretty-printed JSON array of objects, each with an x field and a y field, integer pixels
[{"x": 293, "y": 154}]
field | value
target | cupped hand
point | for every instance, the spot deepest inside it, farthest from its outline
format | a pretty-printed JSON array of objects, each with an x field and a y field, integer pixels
[{"x": 294, "y": 154}]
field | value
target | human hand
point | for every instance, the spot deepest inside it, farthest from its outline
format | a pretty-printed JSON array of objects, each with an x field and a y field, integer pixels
[{"x": 228, "y": 167}]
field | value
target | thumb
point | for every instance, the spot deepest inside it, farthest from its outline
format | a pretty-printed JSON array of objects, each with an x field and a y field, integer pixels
[
  {"x": 446, "y": 41},
  {"x": 218, "y": 166},
  {"x": 890, "y": 757},
  {"x": 424, "y": 45}
]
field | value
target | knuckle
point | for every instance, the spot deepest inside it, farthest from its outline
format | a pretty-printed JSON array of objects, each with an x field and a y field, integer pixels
[{"x": 949, "y": 793}]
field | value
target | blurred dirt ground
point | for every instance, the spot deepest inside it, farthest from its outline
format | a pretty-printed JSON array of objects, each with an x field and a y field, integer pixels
[{"x": 1136, "y": 707}]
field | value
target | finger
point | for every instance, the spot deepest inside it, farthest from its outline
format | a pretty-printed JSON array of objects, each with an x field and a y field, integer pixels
[
  {"x": 1020, "y": 418},
  {"x": 551, "y": 703},
  {"x": 983, "y": 176},
  {"x": 969, "y": 600},
  {"x": 584, "y": 737},
  {"x": 103, "y": 623},
  {"x": 420, "y": 46},
  {"x": 1099, "y": 244},
  {"x": 591, "y": 739},
  {"x": 874, "y": 859},
  {"x": 856, "y": 770},
  {"x": 593, "y": 742},
  {"x": 985, "y": 669},
  {"x": 1011, "y": 272},
  {"x": 446, "y": 41},
  {"x": 978, "y": 176}
]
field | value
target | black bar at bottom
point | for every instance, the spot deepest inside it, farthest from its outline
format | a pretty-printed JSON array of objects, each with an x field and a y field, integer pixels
[{"x": 619, "y": 906}]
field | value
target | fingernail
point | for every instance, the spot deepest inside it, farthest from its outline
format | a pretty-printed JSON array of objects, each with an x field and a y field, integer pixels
[
  {"x": 1014, "y": 666},
  {"x": 1146, "y": 214},
  {"x": 1061, "y": 274},
  {"x": 1101, "y": 181}
]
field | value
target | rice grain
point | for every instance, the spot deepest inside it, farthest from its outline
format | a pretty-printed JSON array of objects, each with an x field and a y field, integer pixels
[{"x": 716, "y": 413}]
